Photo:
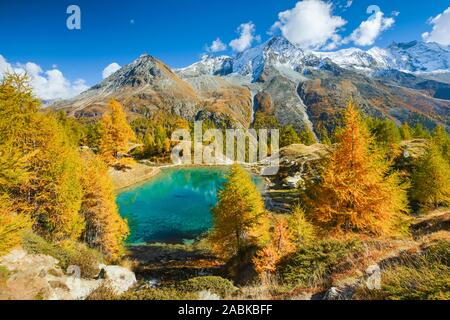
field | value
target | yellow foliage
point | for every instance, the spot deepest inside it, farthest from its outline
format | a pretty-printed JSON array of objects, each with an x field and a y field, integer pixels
[
  {"x": 11, "y": 227},
  {"x": 105, "y": 229},
  {"x": 240, "y": 219},
  {"x": 356, "y": 193},
  {"x": 301, "y": 230},
  {"x": 51, "y": 194},
  {"x": 431, "y": 179},
  {"x": 116, "y": 133},
  {"x": 267, "y": 259}
]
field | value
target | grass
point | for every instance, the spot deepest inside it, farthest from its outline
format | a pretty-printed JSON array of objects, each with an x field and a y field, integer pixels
[
  {"x": 312, "y": 265},
  {"x": 217, "y": 285},
  {"x": 68, "y": 253},
  {"x": 4, "y": 275},
  {"x": 425, "y": 276}
]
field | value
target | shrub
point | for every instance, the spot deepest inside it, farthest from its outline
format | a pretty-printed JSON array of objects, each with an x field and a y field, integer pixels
[
  {"x": 4, "y": 275},
  {"x": 158, "y": 294},
  {"x": 67, "y": 253},
  {"x": 86, "y": 258},
  {"x": 217, "y": 285},
  {"x": 103, "y": 293},
  {"x": 313, "y": 264},
  {"x": 302, "y": 231}
]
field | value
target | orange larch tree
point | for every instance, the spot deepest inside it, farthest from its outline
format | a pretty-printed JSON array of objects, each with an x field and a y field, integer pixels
[{"x": 357, "y": 193}]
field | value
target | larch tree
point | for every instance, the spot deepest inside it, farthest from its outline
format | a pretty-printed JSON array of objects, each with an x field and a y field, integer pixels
[
  {"x": 12, "y": 173},
  {"x": 116, "y": 133},
  {"x": 357, "y": 194},
  {"x": 431, "y": 179},
  {"x": 52, "y": 194},
  {"x": 280, "y": 245},
  {"x": 240, "y": 219},
  {"x": 301, "y": 230},
  {"x": 105, "y": 229}
]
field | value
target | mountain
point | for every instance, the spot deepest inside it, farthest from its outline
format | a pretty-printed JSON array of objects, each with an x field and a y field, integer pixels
[
  {"x": 404, "y": 82},
  {"x": 413, "y": 57},
  {"x": 148, "y": 85}
]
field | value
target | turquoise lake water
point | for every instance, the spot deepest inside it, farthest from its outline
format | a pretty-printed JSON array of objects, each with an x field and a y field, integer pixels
[{"x": 174, "y": 207}]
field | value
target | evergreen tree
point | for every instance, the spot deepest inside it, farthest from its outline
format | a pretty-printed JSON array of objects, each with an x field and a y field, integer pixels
[
  {"x": 420, "y": 132},
  {"x": 288, "y": 136},
  {"x": 324, "y": 137},
  {"x": 240, "y": 219},
  {"x": 356, "y": 193},
  {"x": 301, "y": 230},
  {"x": 307, "y": 137},
  {"x": 385, "y": 131},
  {"x": 441, "y": 140},
  {"x": 431, "y": 179},
  {"x": 406, "y": 132}
]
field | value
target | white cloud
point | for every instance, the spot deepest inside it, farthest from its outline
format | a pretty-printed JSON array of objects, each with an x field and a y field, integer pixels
[
  {"x": 47, "y": 85},
  {"x": 370, "y": 29},
  {"x": 246, "y": 37},
  {"x": 110, "y": 69},
  {"x": 441, "y": 29},
  {"x": 310, "y": 24},
  {"x": 217, "y": 46},
  {"x": 4, "y": 66}
]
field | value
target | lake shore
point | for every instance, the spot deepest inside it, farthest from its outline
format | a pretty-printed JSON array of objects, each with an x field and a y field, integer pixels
[{"x": 139, "y": 173}]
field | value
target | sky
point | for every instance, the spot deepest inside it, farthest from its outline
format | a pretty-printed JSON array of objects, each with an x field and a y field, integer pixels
[{"x": 61, "y": 62}]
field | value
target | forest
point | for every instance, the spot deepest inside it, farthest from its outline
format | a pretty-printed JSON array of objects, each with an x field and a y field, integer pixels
[{"x": 57, "y": 199}]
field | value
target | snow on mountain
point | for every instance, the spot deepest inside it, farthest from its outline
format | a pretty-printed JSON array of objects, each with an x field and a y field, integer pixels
[
  {"x": 278, "y": 52},
  {"x": 208, "y": 65},
  {"x": 419, "y": 56}
]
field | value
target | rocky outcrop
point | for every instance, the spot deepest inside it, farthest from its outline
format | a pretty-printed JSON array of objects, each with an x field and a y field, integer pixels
[
  {"x": 31, "y": 277},
  {"x": 299, "y": 163}
]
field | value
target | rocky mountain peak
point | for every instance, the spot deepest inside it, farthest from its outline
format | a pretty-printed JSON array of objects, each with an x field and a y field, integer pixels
[{"x": 142, "y": 71}]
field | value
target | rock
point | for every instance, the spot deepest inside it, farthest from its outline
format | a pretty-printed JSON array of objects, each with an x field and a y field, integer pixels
[
  {"x": 332, "y": 294},
  {"x": 120, "y": 279},
  {"x": 208, "y": 295},
  {"x": 373, "y": 274},
  {"x": 343, "y": 290},
  {"x": 303, "y": 296},
  {"x": 294, "y": 181},
  {"x": 34, "y": 276}
]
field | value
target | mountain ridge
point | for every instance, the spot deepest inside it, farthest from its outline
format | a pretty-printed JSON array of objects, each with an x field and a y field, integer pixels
[{"x": 306, "y": 89}]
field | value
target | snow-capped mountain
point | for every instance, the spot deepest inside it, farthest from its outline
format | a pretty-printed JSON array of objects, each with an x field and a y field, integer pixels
[
  {"x": 413, "y": 57},
  {"x": 210, "y": 65},
  {"x": 276, "y": 52},
  {"x": 306, "y": 89}
]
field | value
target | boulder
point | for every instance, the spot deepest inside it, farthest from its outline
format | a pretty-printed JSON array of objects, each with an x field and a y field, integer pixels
[
  {"x": 119, "y": 278},
  {"x": 36, "y": 276}
]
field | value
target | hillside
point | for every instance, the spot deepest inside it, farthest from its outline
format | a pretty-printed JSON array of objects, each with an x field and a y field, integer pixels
[{"x": 303, "y": 88}]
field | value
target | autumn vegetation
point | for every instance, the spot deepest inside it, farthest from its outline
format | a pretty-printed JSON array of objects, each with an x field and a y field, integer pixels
[
  {"x": 48, "y": 185},
  {"x": 56, "y": 196}
]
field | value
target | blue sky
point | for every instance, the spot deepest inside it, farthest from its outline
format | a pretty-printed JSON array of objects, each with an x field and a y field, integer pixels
[{"x": 175, "y": 31}]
